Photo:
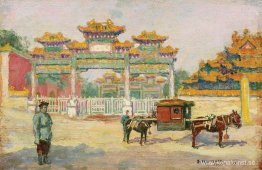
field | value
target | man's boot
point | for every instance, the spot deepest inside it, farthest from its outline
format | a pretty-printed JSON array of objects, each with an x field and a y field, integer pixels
[
  {"x": 46, "y": 160},
  {"x": 40, "y": 159}
]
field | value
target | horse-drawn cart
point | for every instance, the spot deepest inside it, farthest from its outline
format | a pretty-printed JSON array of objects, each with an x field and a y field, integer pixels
[{"x": 174, "y": 114}]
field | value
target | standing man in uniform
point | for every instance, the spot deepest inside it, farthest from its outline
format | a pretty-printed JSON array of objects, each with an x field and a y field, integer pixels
[
  {"x": 124, "y": 120},
  {"x": 42, "y": 124}
]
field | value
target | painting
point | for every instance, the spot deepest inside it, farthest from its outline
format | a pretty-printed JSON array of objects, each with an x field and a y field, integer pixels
[{"x": 130, "y": 84}]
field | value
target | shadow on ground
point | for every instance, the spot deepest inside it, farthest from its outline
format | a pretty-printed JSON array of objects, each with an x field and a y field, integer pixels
[
  {"x": 62, "y": 156},
  {"x": 210, "y": 139},
  {"x": 152, "y": 141}
]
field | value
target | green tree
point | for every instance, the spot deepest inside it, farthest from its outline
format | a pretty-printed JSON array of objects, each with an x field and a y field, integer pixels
[
  {"x": 89, "y": 89},
  {"x": 10, "y": 37},
  {"x": 180, "y": 75},
  {"x": 50, "y": 78}
]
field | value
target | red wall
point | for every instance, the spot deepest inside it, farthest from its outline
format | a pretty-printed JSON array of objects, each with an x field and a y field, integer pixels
[
  {"x": 47, "y": 89},
  {"x": 18, "y": 67}
]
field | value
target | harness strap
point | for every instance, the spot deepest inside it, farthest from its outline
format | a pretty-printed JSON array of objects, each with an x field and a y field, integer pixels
[{"x": 200, "y": 125}]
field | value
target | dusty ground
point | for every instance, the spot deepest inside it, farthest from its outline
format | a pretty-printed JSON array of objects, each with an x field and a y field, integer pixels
[{"x": 96, "y": 142}]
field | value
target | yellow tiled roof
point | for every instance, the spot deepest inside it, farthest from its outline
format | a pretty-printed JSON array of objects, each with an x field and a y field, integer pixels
[
  {"x": 222, "y": 77},
  {"x": 66, "y": 52},
  {"x": 109, "y": 74},
  {"x": 190, "y": 81},
  {"x": 140, "y": 78},
  {"x": 212, "y": 76},
  {"x": 249, "y": 63},
  {"x": 213, "y": 63},
  {"x": 145, "y": 36},
  {"x": 104, "y": 27},
  {"x": 252, "y": 77},
  {"x": 134, "y": 51},
  {"x": 100, "y": 80},
  {"x": 161, "y": 80},
  {"x": 77, "y": 45},
  {"x": 126, "y": 44},
  {"x": 6, "y": 47},
  {"x": 49, "y": 37},
  {"x": 37, "y": 51},
  {"x": 168, "y": 49},
  {"x": 238, "y": 41},
  {"x": 151, "y": 75},
  {"x": 117, "y": 79}
]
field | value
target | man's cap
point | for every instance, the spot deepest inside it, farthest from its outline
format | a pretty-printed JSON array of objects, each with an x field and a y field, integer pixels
[{"x": 43, "y": 103}]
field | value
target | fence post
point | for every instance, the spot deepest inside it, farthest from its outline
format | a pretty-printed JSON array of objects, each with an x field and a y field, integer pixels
[
  {"x": 112, "y": 105},
  {"x": 90, "y": 106}
]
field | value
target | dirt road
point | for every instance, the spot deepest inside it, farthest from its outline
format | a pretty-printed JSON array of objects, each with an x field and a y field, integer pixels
[{"x": 97, "y": 144}]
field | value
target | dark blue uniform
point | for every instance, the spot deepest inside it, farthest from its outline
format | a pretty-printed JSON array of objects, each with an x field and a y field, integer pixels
[{"x": 124, "y": 120}]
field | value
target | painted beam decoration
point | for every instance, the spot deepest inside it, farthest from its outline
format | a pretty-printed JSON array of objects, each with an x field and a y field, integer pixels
[
  {"x": 100, "y": 63},
  {"x": 102, "y": 50}
]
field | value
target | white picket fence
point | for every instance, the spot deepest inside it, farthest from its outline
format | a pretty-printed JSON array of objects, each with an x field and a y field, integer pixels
[{"x": 106, "y": 106}]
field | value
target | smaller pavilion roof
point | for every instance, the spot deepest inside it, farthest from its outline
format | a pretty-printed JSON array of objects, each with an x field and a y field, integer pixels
[
  {"x": 125, "y": 44},
  {"x": 38, "y": 51},
  {"x": 77, "y": 45},
  {"x": 168, "y": 49},
  {"x": 50, "y": 38},
  {"x": 149, "y": 36}
]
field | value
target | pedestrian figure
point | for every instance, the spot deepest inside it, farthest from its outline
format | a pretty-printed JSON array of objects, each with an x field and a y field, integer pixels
[
  {"x": 124, "y": 120},
  {"x": 42, "y": 124}
]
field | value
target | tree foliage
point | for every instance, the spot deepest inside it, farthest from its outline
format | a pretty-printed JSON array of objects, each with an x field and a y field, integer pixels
[
  {"x": 10, "y": 37},
  {"x": 89, "y": 89},
  {"x": 52, "y": 79}
]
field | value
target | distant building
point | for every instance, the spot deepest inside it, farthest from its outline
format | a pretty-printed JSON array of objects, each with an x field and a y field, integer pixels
[
  {"x": 221, "y": 76},
  {"x": 143, "y": 86}
]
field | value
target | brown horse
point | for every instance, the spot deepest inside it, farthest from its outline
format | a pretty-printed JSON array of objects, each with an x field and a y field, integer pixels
[
  {"x": 217, "y": 124},
  {"x": 139, "y": 125}
]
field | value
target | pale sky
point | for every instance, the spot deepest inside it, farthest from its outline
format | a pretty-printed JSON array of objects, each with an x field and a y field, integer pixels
[{"x": 199, "y": 28}]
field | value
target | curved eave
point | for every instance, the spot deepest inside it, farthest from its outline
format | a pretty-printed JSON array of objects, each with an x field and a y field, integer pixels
[
  {"x": 90, "y": 31},
  {"x": 149, "y": 40},
  {"x": 190, "y": 81},
  {"x": 53, "y": 42}
]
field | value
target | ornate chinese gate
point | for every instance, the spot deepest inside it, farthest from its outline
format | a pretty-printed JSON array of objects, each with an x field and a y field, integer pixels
[{"x": 102, "y": 50}]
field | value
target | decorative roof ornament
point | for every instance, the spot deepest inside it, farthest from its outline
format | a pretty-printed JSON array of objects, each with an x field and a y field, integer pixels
[{"x": 246, "y": 44}]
